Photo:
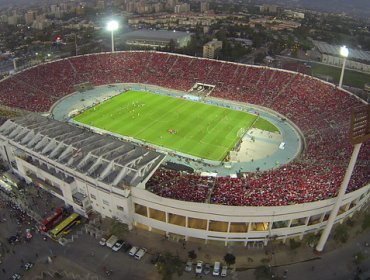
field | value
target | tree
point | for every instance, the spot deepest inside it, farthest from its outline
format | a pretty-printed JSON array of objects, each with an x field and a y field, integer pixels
[
  {"x": 192, "y": 255},
  {"x": 359, "y": 258},
  {"x": 116, "y": 227},
  {"x": 229, "y": 259},
  {"x": 168, "y": 264},
  {"x": 366, "y": 222},
  {"x": 259, "y": 57},
  {"x": 341, "y": 234},
  {"x": 312, "y": 240},
  {"x": 294, "y": 244},
  {"x": 263, "y": 272}
]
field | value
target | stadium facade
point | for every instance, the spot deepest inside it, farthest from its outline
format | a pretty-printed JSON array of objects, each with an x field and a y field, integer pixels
[{"x": 92, "y": 172}]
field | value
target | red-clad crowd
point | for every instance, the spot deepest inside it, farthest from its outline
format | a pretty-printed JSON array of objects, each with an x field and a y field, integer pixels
[
  {"x": 173, "y": 184},
  {"x": 320, "y": 110}
]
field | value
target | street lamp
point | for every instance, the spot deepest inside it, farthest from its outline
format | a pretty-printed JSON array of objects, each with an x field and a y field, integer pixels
[
  {"x": 344, "y": 53},
  {"x": 112, "y": 26}
]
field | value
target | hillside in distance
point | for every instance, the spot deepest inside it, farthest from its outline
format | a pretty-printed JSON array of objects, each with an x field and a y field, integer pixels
[{"x": 351, "y": 7}]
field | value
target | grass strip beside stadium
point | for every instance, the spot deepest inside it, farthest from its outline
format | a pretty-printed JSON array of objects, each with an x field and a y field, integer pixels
[{"x": 193, "y": 128}]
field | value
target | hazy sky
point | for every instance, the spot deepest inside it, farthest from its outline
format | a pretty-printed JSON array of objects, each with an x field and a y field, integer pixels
[
  {"x": 354, "y": 7},
  {"x": 361, "y": 7}
]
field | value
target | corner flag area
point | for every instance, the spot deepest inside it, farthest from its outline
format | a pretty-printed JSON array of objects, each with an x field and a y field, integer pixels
[{"x": 193, "y": 128}]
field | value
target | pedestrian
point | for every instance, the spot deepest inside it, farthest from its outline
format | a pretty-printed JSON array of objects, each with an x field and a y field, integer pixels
[{"x": 4, "y": 270}]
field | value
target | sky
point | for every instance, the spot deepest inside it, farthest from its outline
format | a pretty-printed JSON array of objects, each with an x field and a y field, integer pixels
[{"x": 353, "y": 7}]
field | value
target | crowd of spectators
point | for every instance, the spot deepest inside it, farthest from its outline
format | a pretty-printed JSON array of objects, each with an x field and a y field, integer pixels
[
  {"x": 320, "y": 110},
  {"x": 174, "y": 184}
]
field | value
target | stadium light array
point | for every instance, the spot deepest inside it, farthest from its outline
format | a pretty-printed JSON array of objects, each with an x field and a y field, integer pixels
[
  {"x": 112, "y": 26},
  {"x": 344, "y": 53}
]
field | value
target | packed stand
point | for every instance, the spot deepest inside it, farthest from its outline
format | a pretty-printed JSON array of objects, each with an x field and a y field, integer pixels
[
  {"x": 320, "y": 110},
  {"x": 173, "y": 184}
]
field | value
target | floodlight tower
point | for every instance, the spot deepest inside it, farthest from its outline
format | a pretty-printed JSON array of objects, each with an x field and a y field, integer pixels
[
  {"x": 112, "y": 26},
  {"x": 15, "y": 64},
  {"x": 359, "y": 133},
  {"x": 344, "y": 53}
]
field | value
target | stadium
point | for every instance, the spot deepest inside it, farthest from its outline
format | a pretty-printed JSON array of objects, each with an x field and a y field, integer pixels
[{"x": 191, "y": 148}]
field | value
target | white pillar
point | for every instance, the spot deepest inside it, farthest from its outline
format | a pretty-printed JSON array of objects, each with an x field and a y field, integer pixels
[
  {"x": 342, "y": 73},
  {"x": 76, "y": 43},
  {"x": 339, "y": 198},
  {"x": 112, "y": 42},
  {"x": 15, "y": 65}
]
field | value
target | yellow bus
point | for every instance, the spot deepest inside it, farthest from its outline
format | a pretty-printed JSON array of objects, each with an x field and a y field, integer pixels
[{"x": 65, "y": 225}]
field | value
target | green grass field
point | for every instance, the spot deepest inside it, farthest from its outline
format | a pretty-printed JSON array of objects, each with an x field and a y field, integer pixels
[
  {"x": 189, "y": 127},
  {"x": 265, "y": 125},
  {"x": 351, "y": 78}
]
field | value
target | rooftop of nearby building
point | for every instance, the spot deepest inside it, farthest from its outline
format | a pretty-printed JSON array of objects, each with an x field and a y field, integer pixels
[
  {"x": 334, "y": 50},
  {"x": 160, "y": 35}
]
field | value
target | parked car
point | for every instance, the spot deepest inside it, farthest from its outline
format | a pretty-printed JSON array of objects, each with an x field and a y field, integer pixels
[
  {"x": 140, "y": 253},
  {"x": 224, "y": 271},
  {"x": 154, "y": 259},
  {"x": 111, "y": 241},
  {"x": 133, "y": 251},
  {"x": 103, "y": 241},
  {"x": 188, "y": 266},
  {"x": 28, "y": 265},
  {"x": 15, "y": 277},
  {"x": 13, "y": 239},
  {"x": 199, "y": 267},
  {"x": 116, "y": 247},
  {"x": 28, "y": 234},
  {"x": 207, "y": 269},
  {"x": 216, "y": 269},
  {"x": 127, "y": 246}
]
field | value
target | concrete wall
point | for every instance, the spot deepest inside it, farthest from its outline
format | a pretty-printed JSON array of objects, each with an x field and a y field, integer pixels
[
  {"x": 156, "y": 211},
  {"x": 233, "y": 214}
]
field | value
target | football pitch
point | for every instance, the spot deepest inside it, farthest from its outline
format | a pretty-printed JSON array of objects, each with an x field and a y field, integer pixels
[{"x": 185, "y": 126}]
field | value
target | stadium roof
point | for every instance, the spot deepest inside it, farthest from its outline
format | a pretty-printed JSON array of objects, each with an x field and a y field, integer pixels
[
  {"x": 100, "y": 157},
  {"x": 159, "y": 35},
  {"x": 334, "y": 50}
]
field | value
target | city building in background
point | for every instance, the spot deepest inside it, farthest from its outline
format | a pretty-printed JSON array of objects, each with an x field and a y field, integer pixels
[
  {"x": 357, "y": 59},
  {"x": 212, "y": 48}
]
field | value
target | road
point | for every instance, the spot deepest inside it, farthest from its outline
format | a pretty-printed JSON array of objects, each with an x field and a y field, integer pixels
[{"x": 87, "y": 258}]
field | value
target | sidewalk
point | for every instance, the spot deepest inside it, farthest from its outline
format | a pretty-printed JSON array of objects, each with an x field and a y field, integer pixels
[
  {"x": 57, "y": 269},
  {"x": 274, "y": 254}
]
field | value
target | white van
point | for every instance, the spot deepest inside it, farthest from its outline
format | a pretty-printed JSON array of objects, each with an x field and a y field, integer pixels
[
  {"x": 133, "y": 251},
  {"x": 224, "y": 271},
  {"x": 139, "y": 254},
  {"x": 216, "y": 269},
  {"x": 111, "y": 241}
]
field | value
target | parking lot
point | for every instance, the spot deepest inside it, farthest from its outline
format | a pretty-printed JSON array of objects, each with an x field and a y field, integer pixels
[
  {"x": 86, "y": 258},
  {"x": 83, "y": 257}
]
